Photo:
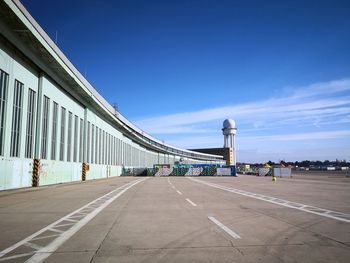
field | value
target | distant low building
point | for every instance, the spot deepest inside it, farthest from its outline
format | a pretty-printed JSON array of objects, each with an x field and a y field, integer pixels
[
  {"x": 229, "y": 150},
  {"x": 227, "y": 153}
]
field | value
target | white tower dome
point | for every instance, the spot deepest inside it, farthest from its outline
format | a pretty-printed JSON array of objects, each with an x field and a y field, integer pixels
[{"x": 229, "y": 124}]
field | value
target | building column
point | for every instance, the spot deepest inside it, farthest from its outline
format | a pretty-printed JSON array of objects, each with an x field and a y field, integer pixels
[
  {"x": 37, "y": 141},
  {"x": 234, "y": 149}
]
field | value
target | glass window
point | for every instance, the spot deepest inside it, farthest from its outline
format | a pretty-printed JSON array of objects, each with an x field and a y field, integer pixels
[
  {"x": 96, "y": 146},
  {"x": 108, "y": 147},
  {"x": 113, "y": 150},
  {"x": 100, "y": 147},
  {"x": 88, "y": 143},
  {"x": 118, "y": 152},
  {"x": 46, "y": 109},
  {"x": 3, "y": 99},
  {"x": 81, "y": 141},
  {"x": 16, "y": 120},
  {"x": 54, "y": 130},
  {"x": 69, "y": 137},
  {"x": 75, "y": 145},
  {"x": 63, "y": 130},
  {"x": 30, "y": 124},
  {"x": 92, "y": 142}
]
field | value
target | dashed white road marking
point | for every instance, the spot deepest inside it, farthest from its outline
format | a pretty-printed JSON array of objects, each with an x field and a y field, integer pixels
[
  {"x": 188, "y": 200},
  {"x": 223, "y": 227},
  {"x": 178, "y": 192},
  {"x": 302, "y": 207},
  {"x": 86, "y": 214}
]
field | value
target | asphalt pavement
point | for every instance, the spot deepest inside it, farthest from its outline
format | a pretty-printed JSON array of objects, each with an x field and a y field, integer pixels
[{"x": 178, "y": 219}]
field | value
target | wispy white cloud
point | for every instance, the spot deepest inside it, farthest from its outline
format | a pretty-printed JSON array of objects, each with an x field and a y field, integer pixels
[
  {"x": 300, "y": 136},
  {"x": 321, "y": 89},
  {"x": 304, "y": 115},
  {"x": 216, "y": 141},
  {"x": 312, "y": 104}
]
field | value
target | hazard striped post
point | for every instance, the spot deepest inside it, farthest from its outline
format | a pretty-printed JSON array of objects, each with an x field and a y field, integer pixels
[
  {"x": 35, "y": 173},
  {"x": 83, "y": 172}
]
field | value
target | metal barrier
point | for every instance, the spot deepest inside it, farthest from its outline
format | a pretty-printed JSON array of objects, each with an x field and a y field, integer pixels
[{"x": 180, "y": 171}]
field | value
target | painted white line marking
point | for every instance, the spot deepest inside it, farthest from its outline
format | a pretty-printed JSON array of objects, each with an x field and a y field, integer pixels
[
  {"x": 188, "y": 200},
  {"x": 16, "y": 256},
  {"x": 305, "y": 208},
  {"x": 33, "y": 246},
  {"x": 178, "y": 192},
  {"x": 68, "y": 224},
  {"x": 71, "y": 220},
  {"x": 225, "y": 228},
  {"x": 43, "y": 237},
  {"x": 43, "y": 253}
]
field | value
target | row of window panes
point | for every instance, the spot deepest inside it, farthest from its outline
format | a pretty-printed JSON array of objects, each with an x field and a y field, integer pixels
[
  {"x": 16, "y": 127},
  {"x": 102, "y": 147},
  {"x": 70, "y": 139},
  {"x": 17, "y": 116}
]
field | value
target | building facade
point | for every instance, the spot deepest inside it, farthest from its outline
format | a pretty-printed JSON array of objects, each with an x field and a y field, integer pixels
[{"x": 54, "y": 124}]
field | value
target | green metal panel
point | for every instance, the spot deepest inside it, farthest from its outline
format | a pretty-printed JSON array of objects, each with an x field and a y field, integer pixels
[
  {"x": 55, "y": 172},
  {"x": 15, "y": 173}
]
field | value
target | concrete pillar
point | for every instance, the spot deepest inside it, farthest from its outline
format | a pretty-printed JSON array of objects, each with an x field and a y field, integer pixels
[
  {"x": 234, "y": 149},
  {"x": 226, "y": 141},
  {"x": 37, "y": 141}
]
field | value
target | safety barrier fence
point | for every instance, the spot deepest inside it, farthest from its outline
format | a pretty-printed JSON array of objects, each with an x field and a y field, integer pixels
[
  {"x": 180, "y": 171},
  {"x": 279, "y": 172}
]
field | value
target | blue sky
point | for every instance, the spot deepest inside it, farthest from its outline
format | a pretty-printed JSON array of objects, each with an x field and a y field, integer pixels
[{"x": 177, "y": 69}]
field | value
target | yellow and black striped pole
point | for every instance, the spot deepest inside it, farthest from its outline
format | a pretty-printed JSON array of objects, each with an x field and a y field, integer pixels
[
  {"x": 83, "y": 172},
  {"x": 35, "y": 174}
]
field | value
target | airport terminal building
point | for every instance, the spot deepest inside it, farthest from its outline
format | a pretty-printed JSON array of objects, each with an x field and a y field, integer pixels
[{"x": 54, "y": 124}]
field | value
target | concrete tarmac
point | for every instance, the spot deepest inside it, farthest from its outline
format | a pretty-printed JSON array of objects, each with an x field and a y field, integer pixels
[{"x": 178, "y": 219}]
